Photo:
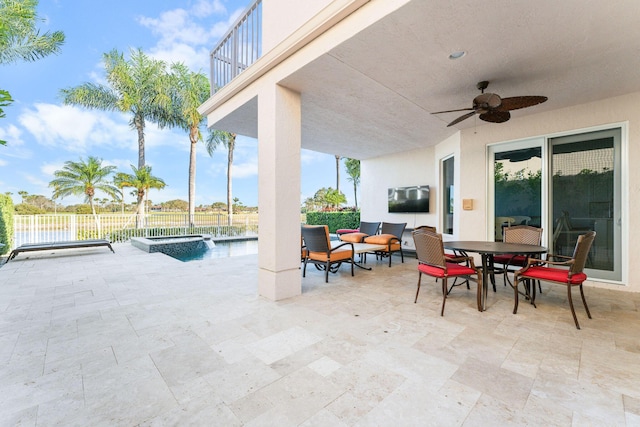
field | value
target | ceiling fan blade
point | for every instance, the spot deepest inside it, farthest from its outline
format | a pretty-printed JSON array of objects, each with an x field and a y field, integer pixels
[
  {"x": 495, "y": 116},
  {"x": 517, "y": 102},
  {"x": 453, "y": 111},
  {"x": 461, "y": 118}
]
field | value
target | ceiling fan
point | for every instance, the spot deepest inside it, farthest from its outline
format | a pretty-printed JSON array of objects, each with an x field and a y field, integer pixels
[{"x": 491, "y": 108}]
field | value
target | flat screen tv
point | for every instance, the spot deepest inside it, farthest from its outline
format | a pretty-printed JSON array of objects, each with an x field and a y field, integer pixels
[{"x": 409, "y": 199}]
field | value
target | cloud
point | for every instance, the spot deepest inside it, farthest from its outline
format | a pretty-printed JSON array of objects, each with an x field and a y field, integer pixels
[
  {"x": 204, "y": 8},
  {"x": 75, "y": 130},
  {"x": 123, "y": 165},
  {"x": 15, "y": 147},
  {"x": 186, "y": 35},
  {"x": 245, "y": 170},
  {"x": 42, "y": 185},
  {"x": 49, "y": 168},
  {"x": 3, "y": 163},
  {"x": 308, "y": 157}
]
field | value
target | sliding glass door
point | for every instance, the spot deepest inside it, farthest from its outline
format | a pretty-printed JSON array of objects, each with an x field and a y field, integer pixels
[
  {"x": 585, "y": 195},
  {"x": 567, "y": 185}
]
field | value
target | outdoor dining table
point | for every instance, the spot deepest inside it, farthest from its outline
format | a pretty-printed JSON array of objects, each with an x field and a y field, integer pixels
[{"x": 487, "y": 250}]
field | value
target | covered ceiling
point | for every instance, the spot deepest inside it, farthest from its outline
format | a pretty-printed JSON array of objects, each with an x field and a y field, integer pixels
[{"x": 374, "y": 94}]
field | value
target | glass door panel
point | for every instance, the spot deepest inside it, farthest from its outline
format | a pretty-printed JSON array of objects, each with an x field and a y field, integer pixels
[
  {"x": 517, "y": 188},
  {"x": 585, "y": 195}
]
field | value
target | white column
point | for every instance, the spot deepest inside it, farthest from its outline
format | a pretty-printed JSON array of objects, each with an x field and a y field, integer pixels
[{"x": 279, "y": 134}]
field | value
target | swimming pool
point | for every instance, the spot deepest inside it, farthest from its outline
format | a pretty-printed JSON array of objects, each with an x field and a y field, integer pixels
[{"x": 222, "y": 249}]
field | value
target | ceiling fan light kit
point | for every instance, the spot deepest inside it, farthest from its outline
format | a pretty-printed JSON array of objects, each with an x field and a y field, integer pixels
[{"x": 490, "y": 107}]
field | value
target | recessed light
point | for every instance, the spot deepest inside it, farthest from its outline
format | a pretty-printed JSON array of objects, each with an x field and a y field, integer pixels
[{"x": 457, "y": 55}]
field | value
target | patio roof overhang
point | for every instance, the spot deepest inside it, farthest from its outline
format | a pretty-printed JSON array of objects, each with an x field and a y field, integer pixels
[{"x": 372, "y": 92}]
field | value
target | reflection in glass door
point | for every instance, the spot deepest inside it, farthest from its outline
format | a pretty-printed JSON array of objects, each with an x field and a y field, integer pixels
[
  {"x": 585, "y": 195},
  {"x": 517, "y": 188}
]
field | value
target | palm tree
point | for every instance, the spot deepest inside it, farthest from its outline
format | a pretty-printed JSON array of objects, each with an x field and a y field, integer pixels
[
  {"x": 118, "y": 180},
  {"x": 353, "y": 170},
  {"x": 142, "y": 180},
  {"x": 139, "y": 86},
  {"x": 20, "y": 40},
  {"x": 19, "y": 37},
  {"x": 215, "y": 139},
  {"x": 189, "y": 91},
  {"x": 83, "y": 178}
]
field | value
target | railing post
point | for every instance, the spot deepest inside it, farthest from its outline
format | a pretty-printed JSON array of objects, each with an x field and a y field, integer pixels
[
  {"x": 32, "y": 229},
  {"x": 74, "y": 226}
]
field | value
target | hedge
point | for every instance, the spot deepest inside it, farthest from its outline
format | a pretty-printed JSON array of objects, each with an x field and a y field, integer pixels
[
  {"x": 335, "y": 220},
  {"x": 6, "y": 223}
]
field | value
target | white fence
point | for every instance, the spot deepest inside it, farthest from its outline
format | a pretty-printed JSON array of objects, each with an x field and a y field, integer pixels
[{"x": 120, "y": 228}]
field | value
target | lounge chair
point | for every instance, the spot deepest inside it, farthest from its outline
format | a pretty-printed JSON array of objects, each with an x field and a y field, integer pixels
[{"x": 69, "y": 244}]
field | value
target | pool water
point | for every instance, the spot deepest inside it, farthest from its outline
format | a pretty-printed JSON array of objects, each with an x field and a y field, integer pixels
[{"x": 222, "y": 249}]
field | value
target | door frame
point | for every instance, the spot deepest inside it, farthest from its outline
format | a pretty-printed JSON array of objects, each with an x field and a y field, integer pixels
[{"x": 544, "y": 141}]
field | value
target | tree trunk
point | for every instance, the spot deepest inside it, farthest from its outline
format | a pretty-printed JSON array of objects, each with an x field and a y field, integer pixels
[
  {"x": 193, "y": 137},
  {"x": 338, "y": 173},
  {"x": 229, "y": 193},
  {"x": 140, "y": 210},
  {"x": 95, "y": 217},
  {"x": 355, "y": 194},
  {"x": 138, "y": 122}
]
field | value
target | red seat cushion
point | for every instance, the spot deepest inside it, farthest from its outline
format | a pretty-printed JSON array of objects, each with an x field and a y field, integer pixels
[
  {"x": 347, "y": 230},
  {"x": 554, "y": 275},
  {"x": 517, "y": 260},
  {"x": 452, "y": 270}
]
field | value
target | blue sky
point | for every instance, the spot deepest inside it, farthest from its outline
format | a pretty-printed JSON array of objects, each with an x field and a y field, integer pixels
[{"x": 42, "y": 134}]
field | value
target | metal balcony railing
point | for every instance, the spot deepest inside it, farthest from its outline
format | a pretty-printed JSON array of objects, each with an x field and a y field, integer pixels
[{"x": 240, "y": 47}]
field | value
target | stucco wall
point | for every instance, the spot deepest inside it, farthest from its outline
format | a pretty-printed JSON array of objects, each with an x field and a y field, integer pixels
[
  {"x": 282, "y": 17},
  {"x": 471, "y": 171},
  {"x": 400, "y": 170}
]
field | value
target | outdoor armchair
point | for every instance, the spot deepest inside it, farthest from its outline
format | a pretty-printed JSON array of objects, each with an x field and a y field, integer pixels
[
  {"x": 366, "y": 229},
  {"x": 391, "y": 236},
  {"x": 320, "y": 252},
  {"x": 568, "y": 272}
]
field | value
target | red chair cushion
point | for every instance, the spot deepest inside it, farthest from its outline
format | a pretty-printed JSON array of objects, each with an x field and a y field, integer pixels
[
  {"x": 554, "y": 275},
  {"x": 517, "y": 260},
  {"x": 347, "y": 230},
  {"x": 452, "y": 270}
]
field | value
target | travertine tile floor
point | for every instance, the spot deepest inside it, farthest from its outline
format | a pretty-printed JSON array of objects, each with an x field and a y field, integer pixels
[{"x": 90, "y": 338}]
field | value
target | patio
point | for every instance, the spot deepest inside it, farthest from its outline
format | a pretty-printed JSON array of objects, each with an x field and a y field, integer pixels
[{"x": 93, "y": 338}]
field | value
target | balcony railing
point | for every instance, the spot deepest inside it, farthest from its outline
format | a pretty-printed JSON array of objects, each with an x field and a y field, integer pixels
[{"x": 240, "y": 47}]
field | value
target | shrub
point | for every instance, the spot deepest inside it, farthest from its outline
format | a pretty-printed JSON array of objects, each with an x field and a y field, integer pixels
[
  {"x": 26, "y": 209},
  {"x": 335, "y": 220},
  {"x": 6, "y": 223}
]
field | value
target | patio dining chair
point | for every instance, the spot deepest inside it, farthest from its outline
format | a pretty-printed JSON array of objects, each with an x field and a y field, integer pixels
[
  {"x": 321, "y": 254},
  {"x": 524, "y": 234},
  {"x": 571, "y": 275},
  {"x": 432, "y": 262},
  {"x": 391, "y": 236},
  {"x": 451, "y": 257}
]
